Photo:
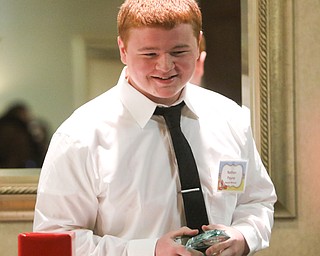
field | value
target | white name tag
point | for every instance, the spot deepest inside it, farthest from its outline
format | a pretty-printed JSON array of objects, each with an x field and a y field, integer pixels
[{"x": 232, "y": 175}]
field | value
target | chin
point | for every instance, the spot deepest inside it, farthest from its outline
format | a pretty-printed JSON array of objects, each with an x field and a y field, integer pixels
[{"x": 166, "y": 99}]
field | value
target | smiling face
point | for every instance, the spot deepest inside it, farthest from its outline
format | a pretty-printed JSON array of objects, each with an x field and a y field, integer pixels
[{"x": 160, "y": 61}]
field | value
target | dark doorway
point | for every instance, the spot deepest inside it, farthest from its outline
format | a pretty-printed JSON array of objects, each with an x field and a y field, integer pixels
[{"x": 222, "y": 30}]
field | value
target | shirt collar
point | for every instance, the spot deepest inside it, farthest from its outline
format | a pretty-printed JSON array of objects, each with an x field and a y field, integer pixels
[{"x": 140, "y": 107}]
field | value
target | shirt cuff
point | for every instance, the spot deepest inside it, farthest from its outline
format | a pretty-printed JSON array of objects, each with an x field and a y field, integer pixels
[
  {"x": 142, "y": 247},
  {"x": 249, "y": 235}
]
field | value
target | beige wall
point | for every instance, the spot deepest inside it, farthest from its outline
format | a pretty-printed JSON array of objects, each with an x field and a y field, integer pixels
[
  {"x": 36, "y": 51},
  {"x": 299, "y": 236},
  {"x": 9, "y": 236}
]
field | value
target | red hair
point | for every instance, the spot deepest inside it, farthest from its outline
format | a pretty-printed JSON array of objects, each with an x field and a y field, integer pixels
[{"x": 158, "y": 13}]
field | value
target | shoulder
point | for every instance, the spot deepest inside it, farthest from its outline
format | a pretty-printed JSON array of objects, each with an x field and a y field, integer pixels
[
  {"x": 88, "y": 118},
  {"x": 221, "y": 115},
  {"x": 216, "y": 109},
  {"x": 213, "y": 103}
]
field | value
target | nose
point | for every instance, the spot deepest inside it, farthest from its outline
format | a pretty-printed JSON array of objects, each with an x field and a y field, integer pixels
[{"x": 165, "y": 63}]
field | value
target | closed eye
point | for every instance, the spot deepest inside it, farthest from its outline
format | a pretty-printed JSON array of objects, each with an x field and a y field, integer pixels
[
  {"x": 178, "y": 53},
  {"x": 149, "y": 54}
]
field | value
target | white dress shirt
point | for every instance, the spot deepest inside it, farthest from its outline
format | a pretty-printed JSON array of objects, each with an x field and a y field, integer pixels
[{"x": 111, "y": 176}]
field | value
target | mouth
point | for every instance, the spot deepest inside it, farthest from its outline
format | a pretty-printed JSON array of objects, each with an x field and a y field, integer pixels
[{"x": 164, "y": 78}]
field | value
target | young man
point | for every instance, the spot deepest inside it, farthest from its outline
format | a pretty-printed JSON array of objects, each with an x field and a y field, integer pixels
[{"x": 111, "y": 174}]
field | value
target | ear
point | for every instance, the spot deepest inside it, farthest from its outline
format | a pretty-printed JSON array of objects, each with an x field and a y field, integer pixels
[
  {"x": 200, "y": 37},
  {"x": 122, "y": 49},
  {"x": 199, "y": 41}
]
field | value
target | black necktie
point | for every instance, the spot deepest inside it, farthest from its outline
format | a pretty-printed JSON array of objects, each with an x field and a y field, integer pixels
[{"x": 194, "y": 205}]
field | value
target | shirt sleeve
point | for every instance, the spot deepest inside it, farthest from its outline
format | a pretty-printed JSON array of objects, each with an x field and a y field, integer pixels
[
  {"x": 67, "y": 201},
  {"x": 89, "y": 244},
  {"x": 253, "y": 215}
]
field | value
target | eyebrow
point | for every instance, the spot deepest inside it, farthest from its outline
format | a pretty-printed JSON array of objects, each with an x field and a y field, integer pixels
[{"x": 177, "y": 47}]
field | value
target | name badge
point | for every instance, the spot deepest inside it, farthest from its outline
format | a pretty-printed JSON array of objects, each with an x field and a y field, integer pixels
[{"x": 232, "y": 176}]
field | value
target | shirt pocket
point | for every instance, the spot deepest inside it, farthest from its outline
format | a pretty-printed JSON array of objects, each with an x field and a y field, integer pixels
[{"x": 222, "y": 207}]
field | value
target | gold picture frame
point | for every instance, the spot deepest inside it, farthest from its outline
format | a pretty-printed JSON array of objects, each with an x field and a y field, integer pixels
[
  {"x": 18, "y": 189},
  {"x": 273, "y": 115},
  {"x": 275, "y": 97}
]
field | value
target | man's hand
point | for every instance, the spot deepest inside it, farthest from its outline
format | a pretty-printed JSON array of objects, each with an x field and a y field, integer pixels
[
  {"x": 236, "y": 245},
  {"x": 166, "y": 245}
]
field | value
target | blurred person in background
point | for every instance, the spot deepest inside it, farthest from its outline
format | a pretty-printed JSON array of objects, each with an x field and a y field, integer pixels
[{"x": 23, "y": 139}]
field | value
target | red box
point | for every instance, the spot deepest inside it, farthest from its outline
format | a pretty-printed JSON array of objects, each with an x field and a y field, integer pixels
[{"x": 46, "y": 244}]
